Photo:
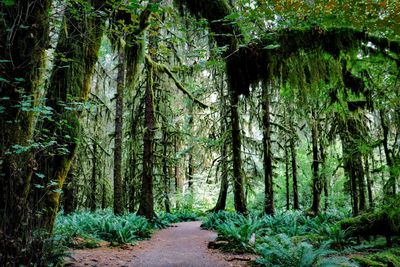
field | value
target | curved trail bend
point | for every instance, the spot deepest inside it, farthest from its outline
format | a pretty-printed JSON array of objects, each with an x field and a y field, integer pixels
[{"x": 183, "y": 244}]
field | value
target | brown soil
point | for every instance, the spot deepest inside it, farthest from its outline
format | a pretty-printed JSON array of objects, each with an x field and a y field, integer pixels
[{"x": 183, "y": 244}]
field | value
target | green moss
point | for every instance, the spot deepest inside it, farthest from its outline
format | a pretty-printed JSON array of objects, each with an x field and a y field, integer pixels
[
  {"x": 385, "y": 221},
  {"x": 386, "y": 258},
  {"x": 365, "y": 262},
  {"x": 302, "y": 58}
]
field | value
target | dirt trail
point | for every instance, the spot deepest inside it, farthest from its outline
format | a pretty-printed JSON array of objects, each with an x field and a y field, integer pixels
[{"x": 183, "y": 244}]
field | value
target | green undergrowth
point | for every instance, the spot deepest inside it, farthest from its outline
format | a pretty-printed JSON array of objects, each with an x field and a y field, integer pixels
[
  {"x": 84, "y": 229},
  {"x": 286, "y": 239},
  {"x": 385, "y": 258}
]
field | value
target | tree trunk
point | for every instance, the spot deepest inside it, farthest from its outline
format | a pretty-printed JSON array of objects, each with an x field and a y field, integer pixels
[
  {"x": 24, "y": 32},
  {"x": 369, "y": 182},
  {"x": 190, "y": 156},
  {"x": 177, "y": 172},
  {"x": 269, "y": 192},
  {"x": 287, "y": 178},
  {"x": 94, "y": 178},
  {"x": 119, "y": 114},
  {"x": 70, "y": 191},
  {"x": 323, "y": 176},
  {"x": 316, "y": 190},
  {"x": 388, "y": 155},
  {"x": 165, "y": 169},
  {"x": 223, "y": 191},
  {"x": 146, "y": 207},
  {"x": 76, "y": 56},
  {"x": 353, "y": 161},
  {"x": 292, "y": 145},
  {"x": 238, "y": 192}
]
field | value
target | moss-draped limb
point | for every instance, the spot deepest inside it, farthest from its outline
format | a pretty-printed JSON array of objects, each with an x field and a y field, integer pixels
[
  {"x": 285, "y": 55},
  {"x": 385, "y": 221},
  {"x": 69, "y": 86},
  {"x": 24, "y": 36},
  {"x": 158, "y": 67}
]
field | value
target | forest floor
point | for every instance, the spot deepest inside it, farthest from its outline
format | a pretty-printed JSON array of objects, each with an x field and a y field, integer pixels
[{"x": 182, "y": 244}]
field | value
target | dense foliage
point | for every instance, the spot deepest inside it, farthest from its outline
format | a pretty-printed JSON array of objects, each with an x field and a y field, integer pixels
[{"x": 159, "y": 109}]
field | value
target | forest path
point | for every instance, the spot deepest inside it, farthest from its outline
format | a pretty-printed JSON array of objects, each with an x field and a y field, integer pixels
[{"x": 183, "y": 244}]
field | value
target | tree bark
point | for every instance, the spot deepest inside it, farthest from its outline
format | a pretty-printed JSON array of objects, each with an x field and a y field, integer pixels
[
  {"x": 76, "y": 56},
  {"x": 146, "y": 207},
  {"x": 24, "y": 36},
  {"x": 369, "y": 182},
  {"x": 165, "y": 169},
  {"x": 292, "y": 145},
  {"x": 119, "y": 113},
  {"x": 316, "y": 189},
  {"x": 223, "y": 191},
  {"x": 269, "y": 192},
  {"x": 93, "y": 184},
  {"x": 70, "y": 191},
  {"x": 388, "y": 155},
  {"x": 238, "y": 192},
  {"x": 287, "y": 178}
]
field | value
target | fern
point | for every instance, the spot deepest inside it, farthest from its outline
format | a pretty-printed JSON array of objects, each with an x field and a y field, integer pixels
[
  {"x": 102, "y": 225},
  {"x": 279, "y": 250}
]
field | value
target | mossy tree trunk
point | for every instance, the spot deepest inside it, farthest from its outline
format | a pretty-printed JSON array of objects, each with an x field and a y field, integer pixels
[
  {"x": 70, "y": 190},
  {"x": 119, "y": 116},
  {"x": 296, "y": 204},
  {"x": 223, "y": 191},
  {"x": 76, "y": 56},
  {"x": 238, "y": 190},
  {"x": 316, "y": 183},
  {"x": 177, "y": 171},
  {"x": 24, "y": 32},
  {"x": 287, "y": 178},
  {"x": 146, "y": 207},
  {"x": 369, "y": 181},
  {"x": 391, "y": 184},
  {"x": 190, "y": 169},
  {"x": 165, "y": 142},
  {"x": 352, "y": 161},
  {"x": 269, "y": 192},
  {"x": 93, "y": 180}
]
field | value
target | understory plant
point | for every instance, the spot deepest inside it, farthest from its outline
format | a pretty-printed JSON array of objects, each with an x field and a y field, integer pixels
[
  {"x": 280, "y": 250},
  {"x": 102, "y": 225}
]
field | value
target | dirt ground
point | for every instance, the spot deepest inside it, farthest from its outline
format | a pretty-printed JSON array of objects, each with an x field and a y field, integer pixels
[{"x": 183, "y": 244}]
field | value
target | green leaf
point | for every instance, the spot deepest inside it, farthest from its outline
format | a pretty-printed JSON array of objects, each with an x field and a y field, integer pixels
[
  {"x": 272, "y": 46},
  {"x": 57, "y": 191},
  {"x": 40, "y": 175}
]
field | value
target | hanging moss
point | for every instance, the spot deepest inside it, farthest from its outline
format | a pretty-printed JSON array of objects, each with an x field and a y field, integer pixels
[
  {"x": 299, "y": 56},
  {"x": 224, "y": 32}
]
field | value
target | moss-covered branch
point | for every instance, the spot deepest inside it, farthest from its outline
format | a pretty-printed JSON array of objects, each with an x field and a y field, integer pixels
[
  {"x": 293, "y": 54},
  {"x": 385, "y": 222},
  {"x": 163, "y": 68}
]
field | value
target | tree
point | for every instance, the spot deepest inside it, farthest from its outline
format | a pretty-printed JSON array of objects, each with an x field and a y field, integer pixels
[{"x": 24, "y": 30}]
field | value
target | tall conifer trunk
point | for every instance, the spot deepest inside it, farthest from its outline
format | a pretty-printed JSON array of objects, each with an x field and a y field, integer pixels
[
  {"x": 316, "y": 189},
  {"x": 119, "y": 114},
  {"x": 269, "y": 192},
  {"x": 146, "y": 207}
]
